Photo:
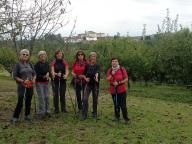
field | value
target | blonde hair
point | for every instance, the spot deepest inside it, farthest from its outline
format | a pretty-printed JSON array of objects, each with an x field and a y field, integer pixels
[{"x": 92, "y": 53}]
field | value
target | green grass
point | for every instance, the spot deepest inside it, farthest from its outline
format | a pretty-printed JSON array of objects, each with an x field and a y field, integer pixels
[
  {"x": 159, "y": 115},
  {"x": 164, "y": 92}
]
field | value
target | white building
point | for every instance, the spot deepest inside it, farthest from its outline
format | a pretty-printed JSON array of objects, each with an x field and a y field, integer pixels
[{"x": 87, "y": 36}]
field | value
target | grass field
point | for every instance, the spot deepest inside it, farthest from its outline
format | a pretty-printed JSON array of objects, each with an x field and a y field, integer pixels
[{"x": 159, "y": 115}]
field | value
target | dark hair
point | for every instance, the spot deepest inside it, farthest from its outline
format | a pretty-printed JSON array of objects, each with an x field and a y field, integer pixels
[
  {"x": 58, "y": 51},
  {"x": 114, "y": 58},
  {"x": 78, "y": 52}
]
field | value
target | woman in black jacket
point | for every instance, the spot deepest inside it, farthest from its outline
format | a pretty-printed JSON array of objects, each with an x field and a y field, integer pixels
[
  {"x": 42, "y": 80},
  {"x": 92, "y": 77},
  {"x": 59, "y": 72}
]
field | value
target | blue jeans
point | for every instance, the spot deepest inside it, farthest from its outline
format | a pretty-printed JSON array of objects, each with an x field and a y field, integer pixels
[{"x": 43, "y": 98}]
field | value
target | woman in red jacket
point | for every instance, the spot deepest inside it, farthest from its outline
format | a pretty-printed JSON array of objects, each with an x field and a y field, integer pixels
[
  {"x": 118, "y": 77},
  {"x": 78, "y": 68}
]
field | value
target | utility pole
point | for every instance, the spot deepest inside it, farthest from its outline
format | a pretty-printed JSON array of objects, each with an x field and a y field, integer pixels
[
  {"x": 168, "y": 21},
  {"x": 144, "y": 32}
]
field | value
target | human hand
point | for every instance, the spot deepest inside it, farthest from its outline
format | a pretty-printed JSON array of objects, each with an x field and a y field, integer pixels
[
  {"x": 96, "y": 77},
  {"x": 64, "y": 77},
  {"x": 59, "y": 74},
  {"x": 115, "y": 83},
  {"x": 87, "y": 79},
  {"x": 113, "y": 72}
]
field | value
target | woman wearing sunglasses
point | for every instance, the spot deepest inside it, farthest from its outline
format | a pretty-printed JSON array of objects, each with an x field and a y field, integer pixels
[
  {"x": 24, "y": 74},
  {"x": 78, "y": 81}
]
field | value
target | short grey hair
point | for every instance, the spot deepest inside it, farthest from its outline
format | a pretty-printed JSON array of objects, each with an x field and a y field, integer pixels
[
  {"x": 24, "y": 51},
  {"x": 42, "y": 53}
]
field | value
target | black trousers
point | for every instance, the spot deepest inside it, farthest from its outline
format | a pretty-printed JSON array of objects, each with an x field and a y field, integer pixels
[
  {"x": 95, "y": 91},
  {"x": 119, "y": 101},
  {"x": 59, "y": 92},
  {"x": 26, "y": 94},
  {"x": 79, "y": 90}
]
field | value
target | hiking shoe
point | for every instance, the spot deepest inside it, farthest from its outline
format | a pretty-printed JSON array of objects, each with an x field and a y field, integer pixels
[
  {"x": 83, "y": 118},
  {"x": 14, "y": 120},
  {"x": 94, "y": 115},
  {"x": 56, "y": 111},
  {"x": 40, "y": 116},
  {"x": 48, "y": 114},
  {"x": 127, "y": 121},
  {"x": 64, "y": 111},
  {"x": 28, "y": 118},
  {"x": 116, "y": 120},
  {"x": 79, "y": 111}
]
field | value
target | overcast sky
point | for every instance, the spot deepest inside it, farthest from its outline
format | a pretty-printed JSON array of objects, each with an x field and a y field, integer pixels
[{"x": 126, "y": 16}]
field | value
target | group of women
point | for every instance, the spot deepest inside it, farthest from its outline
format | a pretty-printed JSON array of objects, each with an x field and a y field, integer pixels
[{"x": 86, "y": 77}]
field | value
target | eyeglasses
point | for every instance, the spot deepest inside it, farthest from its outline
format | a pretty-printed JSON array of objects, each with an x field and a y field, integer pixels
[
  {"x": 80, "y": 54},
  {"x": 25, "y": 54}
]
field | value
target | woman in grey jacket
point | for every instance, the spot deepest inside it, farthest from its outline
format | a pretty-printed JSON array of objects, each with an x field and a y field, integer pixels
[{"x": 24, "y": 75}]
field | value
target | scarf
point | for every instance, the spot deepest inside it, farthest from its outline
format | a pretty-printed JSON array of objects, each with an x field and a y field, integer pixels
[{"x": 115, "y": 69}]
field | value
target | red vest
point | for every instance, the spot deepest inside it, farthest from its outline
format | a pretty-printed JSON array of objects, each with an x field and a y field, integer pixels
[{"x": 120, "y": 75}]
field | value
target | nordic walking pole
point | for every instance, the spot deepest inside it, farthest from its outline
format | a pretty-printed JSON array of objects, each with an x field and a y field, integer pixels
[
  {"x": 116, "y": 100},
  {"x": 35, "y": 93},
  {"x": 97, "y": 95},
  {"x": 71, "y": 99},
  {"x": 76, "y": 93},
  {"x": 59, "y": 87},
  {"x": 35, "y": 102},
  {"x": 82, "y": 91}
]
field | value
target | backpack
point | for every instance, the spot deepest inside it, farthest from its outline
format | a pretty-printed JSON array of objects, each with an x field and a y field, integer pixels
[{"x": 121, "y": 68}]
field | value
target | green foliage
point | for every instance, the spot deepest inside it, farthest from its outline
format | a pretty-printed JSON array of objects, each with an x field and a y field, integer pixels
[
  {"x": 7, "y": 58},
  {"x": 164, "y": 57}
]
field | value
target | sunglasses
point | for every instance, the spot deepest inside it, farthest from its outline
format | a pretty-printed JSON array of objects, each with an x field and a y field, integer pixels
[{"x": 25, "y": 54}]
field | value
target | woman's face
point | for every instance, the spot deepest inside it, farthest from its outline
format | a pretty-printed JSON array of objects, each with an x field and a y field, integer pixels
[
  {"x": 59, "y": 55},
  {"x": 114, "y": 63},
  {"x": 93, "y": 58},
  {"x": 24, "y": 56},
  {"x": 80, "y": 56},
  {"x": 42, "y": 57}
]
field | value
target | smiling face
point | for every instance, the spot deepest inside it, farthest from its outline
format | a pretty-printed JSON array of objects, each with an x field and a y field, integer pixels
[
  {"x": 24, "y": 56},
  {"x": 93, "y": 58},
  {"x": 114, "y": 63},
  {"x": 59, "y": 55},
  {"x": 42, "y": 57},
  {"x": 80, "y": 56}
]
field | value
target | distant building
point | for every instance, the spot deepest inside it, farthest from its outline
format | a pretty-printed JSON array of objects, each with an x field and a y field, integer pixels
[{"x": 87, "y": 36}]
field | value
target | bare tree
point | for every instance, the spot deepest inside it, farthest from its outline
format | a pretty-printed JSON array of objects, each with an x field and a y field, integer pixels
[
  {"x": 71, "y": 34},
  {"x": 32, "y": 19},
  {"x": 168, "y": 25},
  {"x": 3, "y": 20}
]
